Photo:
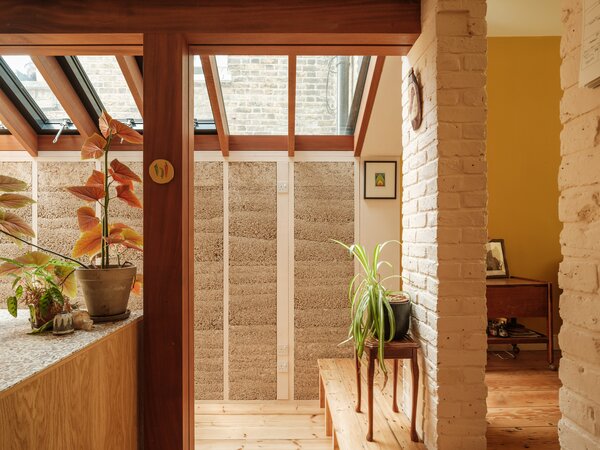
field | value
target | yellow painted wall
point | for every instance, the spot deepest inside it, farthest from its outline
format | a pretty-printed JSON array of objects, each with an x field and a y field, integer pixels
[{"x": 523, "y": 151}]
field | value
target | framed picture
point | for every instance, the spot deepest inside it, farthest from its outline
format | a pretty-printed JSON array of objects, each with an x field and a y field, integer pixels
[
  {"x": 380, "y": 179},
  {"x": 495, "y": 259}
]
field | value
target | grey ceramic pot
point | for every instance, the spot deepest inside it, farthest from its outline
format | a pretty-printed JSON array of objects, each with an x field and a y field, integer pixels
[
  {"x": 106, "y": 291},
  {"x": 402, "y": 318}
]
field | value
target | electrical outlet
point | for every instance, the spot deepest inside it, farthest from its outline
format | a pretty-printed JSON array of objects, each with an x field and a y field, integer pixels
[
  {"x": 282, "y": 187},
  {"x": 282, "y": 366}
]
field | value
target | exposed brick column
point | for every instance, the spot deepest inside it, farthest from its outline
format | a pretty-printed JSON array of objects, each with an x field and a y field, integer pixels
[
  {"x": 445, "y": 219},
  {"x": 579, "y": 211}
]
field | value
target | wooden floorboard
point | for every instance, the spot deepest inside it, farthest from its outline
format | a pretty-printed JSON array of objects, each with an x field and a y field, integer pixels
[
  {"x": 522, "y": 414},
  {"x": 522, "y": 402}
]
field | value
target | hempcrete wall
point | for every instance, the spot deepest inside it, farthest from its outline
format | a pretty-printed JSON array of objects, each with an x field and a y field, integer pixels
[
  {"x": 208, "y": 280},
  {"x": 8, "y": 249},
  {"x": 579, "y": 211},
  {"x": 252, "y": 280},
  {"x": 323, "y": 210}
]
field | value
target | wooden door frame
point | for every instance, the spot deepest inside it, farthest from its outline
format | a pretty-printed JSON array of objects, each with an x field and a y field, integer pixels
[{"x": 381, "y": 27}]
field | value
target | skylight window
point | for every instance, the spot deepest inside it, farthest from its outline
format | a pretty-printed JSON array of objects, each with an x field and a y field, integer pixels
[
  {"x": 255, "y": 94},
  {"x": 326, "y": 103},
  {"x": 109, "y": 83},
  {"x": 202, "y": 110},
  {"x": 46, "y": 109}
]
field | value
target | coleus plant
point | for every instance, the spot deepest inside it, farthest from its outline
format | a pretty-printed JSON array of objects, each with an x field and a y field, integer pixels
[
  {"x": 43, "y": 283},
  {"x": 99, "y": 237}
]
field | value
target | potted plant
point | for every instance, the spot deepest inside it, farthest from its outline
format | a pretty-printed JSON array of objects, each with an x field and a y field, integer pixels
[
  {"x": 44, "y": 284},
  {"x": 41, "y": 282},
  {"x": 106, "y": 284},
  {"x": 376, "y": 312}
]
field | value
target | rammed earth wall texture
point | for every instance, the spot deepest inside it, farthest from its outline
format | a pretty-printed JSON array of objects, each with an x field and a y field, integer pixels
[
  {"x": 208, "y": 280},
  {"x": 323, "y": 210},
  {"x": 57, "y": 208},
  {"x": 8, "y": 248},
  {"x": 252, "y": 280},
  {"x": 579, "y": 211}
]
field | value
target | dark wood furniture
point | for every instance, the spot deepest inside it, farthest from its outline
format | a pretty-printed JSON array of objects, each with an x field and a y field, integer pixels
[
  {"x": 406, "y": 348},
  {"x": 521, "y": 297}
]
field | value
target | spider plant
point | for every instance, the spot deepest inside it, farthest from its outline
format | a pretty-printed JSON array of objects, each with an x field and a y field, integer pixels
[{"x": 370, "y": 301}]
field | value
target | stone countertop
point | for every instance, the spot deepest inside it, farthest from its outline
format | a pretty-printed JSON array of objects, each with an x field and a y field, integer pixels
[{"x": 23, "y": 355}]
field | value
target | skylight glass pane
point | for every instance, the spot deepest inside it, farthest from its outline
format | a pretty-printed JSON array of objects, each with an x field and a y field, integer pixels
[
  {"x": 110, "y": 85},
  {"x": 325, "y": 88},
  {"x": 255, "y": 93},
  {"x": 202, "y": 110},
  {"x": 2, "y": 127},
  {"x": 33, "y": 81}
]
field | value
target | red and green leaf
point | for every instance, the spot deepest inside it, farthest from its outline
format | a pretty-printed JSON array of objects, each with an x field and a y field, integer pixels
[
  {"x": 106, "y": 125},
  {"x": 86, "y": 218},
  {"x": 125, "y": 193},
  {"x": 133, "y": 239},
  {"x": 10, "y": 184},
  {"x": 110, "y": 126},
  {"x": 123, "y": 174},
  {"x": 127, "y": 133},
  {"x": 89, "y": 243},
  {"x": 15, "y": 201},
  {"x": 95, "y": 179},
  {"x": 138, "y": 284},
  {"x": 87, "y": 193},
  {"x": 13, "y": 224},
  {"x": 93, "y": 147}
]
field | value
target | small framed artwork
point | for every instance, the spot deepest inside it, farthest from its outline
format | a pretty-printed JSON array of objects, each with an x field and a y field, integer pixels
[
  {"x": 380, "y": 179},
  {"x": 495, "y": 259}
]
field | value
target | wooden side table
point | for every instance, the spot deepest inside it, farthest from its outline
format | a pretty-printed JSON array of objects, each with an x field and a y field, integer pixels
[{"x": 405, "y": 348}]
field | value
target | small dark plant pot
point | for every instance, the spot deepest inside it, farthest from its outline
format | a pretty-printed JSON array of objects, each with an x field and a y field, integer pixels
[
  {"x": 401, "y": 308},
  {"x": 106, "y": 291}
]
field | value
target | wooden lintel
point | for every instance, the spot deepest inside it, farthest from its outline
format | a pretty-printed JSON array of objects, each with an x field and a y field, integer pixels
[
  {"x": 133, "y": 77},
  {"x": 299, "y": 50},
  {"x": 71, "y": 39},
  {"x": 65, "y": 93},
  {"x": 202, "y": 143},
  {"x": 70, "y": 50},
  {"x": 291, "y": 104},
  {"x": 372, "y": 21},
  {"x": 367, "y": 102},
  {"x": 215, "y": 95},
  {"x": 17, "y": 125}
]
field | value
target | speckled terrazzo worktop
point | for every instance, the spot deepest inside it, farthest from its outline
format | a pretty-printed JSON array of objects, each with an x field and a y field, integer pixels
[{"x": 23, "y": 355}]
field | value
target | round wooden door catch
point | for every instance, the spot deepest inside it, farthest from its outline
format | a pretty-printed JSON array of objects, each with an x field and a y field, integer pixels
[{"x": 161, "y": 171}]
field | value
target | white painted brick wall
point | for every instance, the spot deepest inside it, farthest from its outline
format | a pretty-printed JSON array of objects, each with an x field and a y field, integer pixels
[
  {"x": 579, "y": 210},
  {"x": 444, "y": 217}
]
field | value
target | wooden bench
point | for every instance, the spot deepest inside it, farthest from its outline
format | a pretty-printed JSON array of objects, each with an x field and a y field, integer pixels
[{"x": 348, "y": 428}]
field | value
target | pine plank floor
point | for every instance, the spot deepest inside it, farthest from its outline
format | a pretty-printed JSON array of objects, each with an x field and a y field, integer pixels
[
  {"x": 522, "y": 402},
  {"x": 522, "y": 414}
]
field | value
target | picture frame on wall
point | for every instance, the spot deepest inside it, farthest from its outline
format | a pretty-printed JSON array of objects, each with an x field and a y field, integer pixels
[
  {"x": 495, "y": 259},
  {"x": 380, "y": 178}
]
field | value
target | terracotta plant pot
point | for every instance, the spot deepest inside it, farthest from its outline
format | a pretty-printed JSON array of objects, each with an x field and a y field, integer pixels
[
  {"x": 106, "y": 291},
  {"x": 401, "y": 307}
]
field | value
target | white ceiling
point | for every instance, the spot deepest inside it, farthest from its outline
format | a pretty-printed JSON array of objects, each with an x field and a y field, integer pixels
[{"x": 524, "y": 18}]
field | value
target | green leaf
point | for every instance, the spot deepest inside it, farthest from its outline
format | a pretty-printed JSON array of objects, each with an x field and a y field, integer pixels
[
  {"x": 32, "y": 313},
  {"x": 19, "y": 292},
  {"x": 15, "y": 282},
  {"x": 11, "y": 303},
  {"x": 44, "y": 303},
  {"x": 10, "y": 184},
  {"x": 46, "y": 326}
]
